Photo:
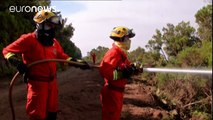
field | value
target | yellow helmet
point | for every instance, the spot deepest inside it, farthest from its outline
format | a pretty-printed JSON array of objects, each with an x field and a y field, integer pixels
[
  {"x": 49, "y": 16},
  {"x": 120, "y": 32}
]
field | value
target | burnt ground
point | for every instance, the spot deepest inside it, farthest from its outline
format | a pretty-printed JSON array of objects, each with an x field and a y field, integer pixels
[{"x": 79, "y": 98}]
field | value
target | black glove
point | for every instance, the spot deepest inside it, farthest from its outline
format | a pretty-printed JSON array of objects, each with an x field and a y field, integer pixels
[
  {"x": 138, "y": 67},
  {"x": 83, "y": 64},
  {"x": 73, "y": 59},
  {"x": 132, "y": 69},
  {"x": 22, "y": 68},
  {"x": 128, "y": 71}
]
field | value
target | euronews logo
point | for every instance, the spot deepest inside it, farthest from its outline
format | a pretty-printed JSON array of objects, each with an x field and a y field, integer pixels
[{"x": 31, "y": 8}]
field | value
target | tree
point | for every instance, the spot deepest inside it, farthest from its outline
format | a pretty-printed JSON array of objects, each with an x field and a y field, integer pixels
[
  {"x": 155, "y": 44},
  {"x": 14, "y": 24},
  {"x": 99, "y": 52},
  {"x": 177, "y": 38},
  {"x": 204, "y": 20},
  {"x": 63, "y": 36},
  {"x": 137, "y": 54}
]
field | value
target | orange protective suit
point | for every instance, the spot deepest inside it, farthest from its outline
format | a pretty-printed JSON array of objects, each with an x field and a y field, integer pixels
[
  {"x": 112, "y": 93},
  {"x": 93, "y": 56},
  {"x": 42, "y": 96}
]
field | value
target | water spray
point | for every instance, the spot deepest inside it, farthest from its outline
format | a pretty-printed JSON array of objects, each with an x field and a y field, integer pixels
[{"x": 174, "y": 70}]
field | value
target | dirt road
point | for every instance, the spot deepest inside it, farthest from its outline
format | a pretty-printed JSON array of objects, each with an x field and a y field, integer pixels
[{"x": 79, "y": 98}]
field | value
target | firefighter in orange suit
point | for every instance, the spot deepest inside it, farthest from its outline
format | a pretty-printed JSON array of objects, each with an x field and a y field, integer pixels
[
  {"x": 42, "y": 90},
  {"x": 93, "y": 56},
  {"x": 116, "y": 69}
]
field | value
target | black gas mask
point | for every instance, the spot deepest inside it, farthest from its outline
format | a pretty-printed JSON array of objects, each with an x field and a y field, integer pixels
[{"x": 45, "y": 33}]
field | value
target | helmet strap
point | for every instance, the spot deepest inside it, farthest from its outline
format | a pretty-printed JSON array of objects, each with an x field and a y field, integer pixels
[
  {"x": 123, "y": 45},
  {"x": 122, "y": 39},
  {"x": 117, "y": 39}
]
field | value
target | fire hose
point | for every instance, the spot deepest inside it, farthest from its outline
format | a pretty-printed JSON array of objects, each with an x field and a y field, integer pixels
[
  {"x": 158, "y": 70},
  {"x": 34, "y": 63}
]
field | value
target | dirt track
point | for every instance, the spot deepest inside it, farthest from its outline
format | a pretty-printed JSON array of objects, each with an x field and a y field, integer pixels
[{"x": 79, "y": 98}]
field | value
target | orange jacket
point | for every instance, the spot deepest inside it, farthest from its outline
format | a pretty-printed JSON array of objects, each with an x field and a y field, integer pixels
[
  {"x": 113, "y": 59},
  {"x": 32, "y": 50}
]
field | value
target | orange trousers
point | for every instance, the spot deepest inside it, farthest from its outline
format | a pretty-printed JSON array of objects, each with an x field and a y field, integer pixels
[
  {"x": 112, "y": 102},
  {"x": 42, "y": 97}
]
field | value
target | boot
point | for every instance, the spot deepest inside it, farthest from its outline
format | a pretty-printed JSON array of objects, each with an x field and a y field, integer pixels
[{"x": 51, "y": 115}]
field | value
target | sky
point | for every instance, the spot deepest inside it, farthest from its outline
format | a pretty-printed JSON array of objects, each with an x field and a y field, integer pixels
[{"x": 94, "y": 20}]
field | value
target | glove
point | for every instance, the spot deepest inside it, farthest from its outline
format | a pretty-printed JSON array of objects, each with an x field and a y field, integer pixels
[
  {"x": 138, "y": 68},
  {"x": 133, "y": 69},
  {"x": 21, "y": 67},
  {"x": 84, "y": 65},
  {"x": 128, "y": 71}
]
